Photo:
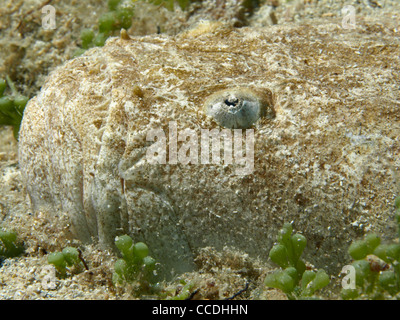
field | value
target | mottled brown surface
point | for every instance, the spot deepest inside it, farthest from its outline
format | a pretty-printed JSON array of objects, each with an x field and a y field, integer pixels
[{"x": 327, "y": 161}]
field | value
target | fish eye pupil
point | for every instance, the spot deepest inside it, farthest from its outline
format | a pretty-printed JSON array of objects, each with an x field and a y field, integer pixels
[{"x": 231, "y": 101}]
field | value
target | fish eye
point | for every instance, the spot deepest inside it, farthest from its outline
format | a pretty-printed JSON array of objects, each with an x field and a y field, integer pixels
[{"x": 236, "y": 108}]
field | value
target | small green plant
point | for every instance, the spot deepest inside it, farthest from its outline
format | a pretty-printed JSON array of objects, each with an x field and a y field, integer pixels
[
  {"x": 67, "y": 260},
  {"x": 183, "y": 294},
  {"x": 376, "y": 265},
  {"x": 119, "y": 16},
  {"x": 9, "y": 244},
  {"x": 170, "y": 4},
  {"x": 293, "y": 279},
  {"x": 135, "y": 264},
  {"x": 11, "y": 106}
]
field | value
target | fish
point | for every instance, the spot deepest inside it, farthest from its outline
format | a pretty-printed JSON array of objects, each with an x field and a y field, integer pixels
[{"x": 125, "y": 139}]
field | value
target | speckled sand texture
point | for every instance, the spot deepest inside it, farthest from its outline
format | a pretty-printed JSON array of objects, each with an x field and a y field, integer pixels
[{"x": 330, "y": 157}]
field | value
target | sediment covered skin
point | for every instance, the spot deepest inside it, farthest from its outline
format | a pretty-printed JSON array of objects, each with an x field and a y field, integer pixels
[{"x": 328, "y": 159}]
